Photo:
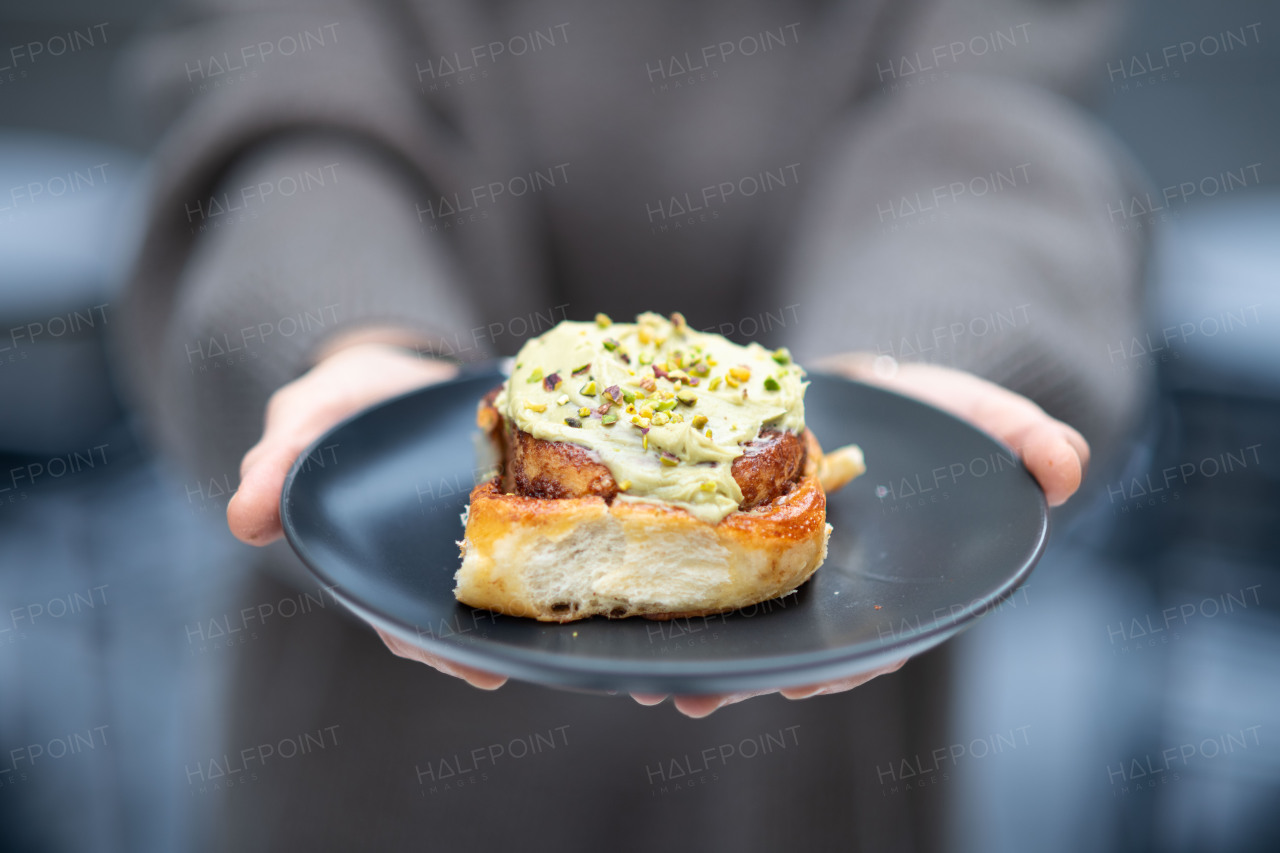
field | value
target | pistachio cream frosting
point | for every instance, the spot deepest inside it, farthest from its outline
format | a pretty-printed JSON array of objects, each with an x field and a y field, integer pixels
[{"x": 665, "y": 407}]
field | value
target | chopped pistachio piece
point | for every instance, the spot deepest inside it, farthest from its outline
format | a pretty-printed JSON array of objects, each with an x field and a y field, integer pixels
[
  {"x": 782, "y": 355},
  {"x": 661, "y": 419},
  {"x": 535, "y": 376},
  {"x": 708, "y": 486},
  {"x": 669, "y": 461},
  {"x": 562, "y": 399},
  {"x": 535, "y": 407},
  {"x": 687, "y": 397},
  {"x": 699, "y": 421},
  {"x": 589, "y": 389},
  {"x": 573, "y": 422},
  {"x": 770, "y": 384},
  {"x": 603, "y": 321},
  {"x": 713, "y": 384},
  {"x": 609, "y": 418}
]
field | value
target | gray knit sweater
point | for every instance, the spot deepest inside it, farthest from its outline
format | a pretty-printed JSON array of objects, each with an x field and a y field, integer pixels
[{"x": 903, "y": 177}]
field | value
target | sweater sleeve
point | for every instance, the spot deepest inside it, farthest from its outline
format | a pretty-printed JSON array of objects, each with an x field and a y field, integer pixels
[
  {"x": 271, "y": 280},
  {"x": 294, "y": 196},
  {"x": 968, "y": 223}
]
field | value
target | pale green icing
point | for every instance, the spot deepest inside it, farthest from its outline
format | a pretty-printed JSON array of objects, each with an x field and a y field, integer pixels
[{"x": 733, "y": 417}]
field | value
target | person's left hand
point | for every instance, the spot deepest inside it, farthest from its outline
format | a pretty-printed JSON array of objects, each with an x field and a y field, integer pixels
[{"x": 1056, "y": 455}]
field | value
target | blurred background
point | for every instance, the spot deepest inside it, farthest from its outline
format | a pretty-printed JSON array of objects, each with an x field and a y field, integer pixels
[{"x": 1140, "y": 667}]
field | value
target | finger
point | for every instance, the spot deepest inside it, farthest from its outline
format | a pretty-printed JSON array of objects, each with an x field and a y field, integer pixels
[
  {"x": 253, "y": 514},
  {"x": 475, "y": 677},
  {"x": 698, "y": 707},
  {"x": 840, "y": 685},
  {"x": 1053, "y": 461},
  {"x": 650, "y": 699},
  {"x": 1076, "y": 440},
  {"x": 803, "y": 692},
  {"x": 1053, "y": 452}
]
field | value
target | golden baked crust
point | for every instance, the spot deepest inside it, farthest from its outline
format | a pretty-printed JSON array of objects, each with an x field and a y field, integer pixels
[{"x": 635, "y": 558}]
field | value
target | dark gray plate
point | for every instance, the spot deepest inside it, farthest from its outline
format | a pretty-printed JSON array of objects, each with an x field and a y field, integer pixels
[{"x": 943, "y": 526}]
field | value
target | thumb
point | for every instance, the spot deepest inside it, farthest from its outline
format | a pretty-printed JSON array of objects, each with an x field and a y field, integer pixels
[{"x": 253, "y": 514}]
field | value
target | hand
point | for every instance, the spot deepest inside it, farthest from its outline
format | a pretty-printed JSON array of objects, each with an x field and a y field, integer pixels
[
  {"x": 342, "y": 383},
  {"x": 1055, "y": 454},
  {"x": 349, "y": 377}
]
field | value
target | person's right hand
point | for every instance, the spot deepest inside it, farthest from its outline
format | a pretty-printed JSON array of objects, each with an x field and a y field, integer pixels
[
  {"x": 348, "y": 379},
  {"x": 345, "y": 381}
]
